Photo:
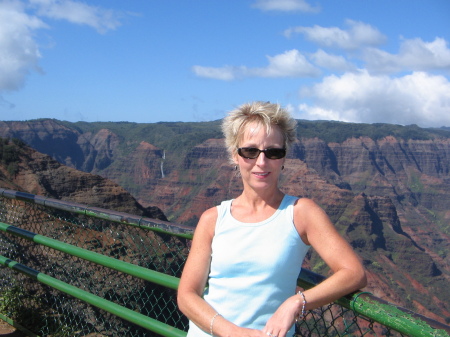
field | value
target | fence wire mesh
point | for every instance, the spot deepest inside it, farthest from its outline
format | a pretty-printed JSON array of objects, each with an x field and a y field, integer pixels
[{"x": 49, "y": 312}]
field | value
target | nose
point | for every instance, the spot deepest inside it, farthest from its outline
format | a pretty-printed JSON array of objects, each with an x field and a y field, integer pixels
[{"x": 261, "y": 160}]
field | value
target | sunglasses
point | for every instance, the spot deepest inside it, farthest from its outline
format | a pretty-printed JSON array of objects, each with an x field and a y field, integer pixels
[{"x": 253, "y": 153}]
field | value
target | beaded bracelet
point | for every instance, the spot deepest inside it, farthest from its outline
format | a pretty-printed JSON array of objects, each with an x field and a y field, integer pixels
[
  {"x": 212, "y": 323},
  {"x": 303, "y": 313}
]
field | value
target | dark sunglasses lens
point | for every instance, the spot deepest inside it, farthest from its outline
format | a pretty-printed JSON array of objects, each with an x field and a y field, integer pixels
[
  {"x": 275, "y": 153},
  {"x": 253, "y": 152},
  {"x": 249, "y": 152}
]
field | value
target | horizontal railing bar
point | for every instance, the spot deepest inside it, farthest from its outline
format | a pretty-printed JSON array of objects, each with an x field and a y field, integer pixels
[
  {"x": 397, "y": 318},
  {"x": 17, "y": 326},
  {"x": 155, "y": 225},
  {"x": 403, "y": 320},
  {"x": 99, "y": 302},
  {"x": 106, "y": 261}
]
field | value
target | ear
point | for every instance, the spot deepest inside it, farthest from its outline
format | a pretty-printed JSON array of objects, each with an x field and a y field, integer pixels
[{"x": 235, "y": 159}]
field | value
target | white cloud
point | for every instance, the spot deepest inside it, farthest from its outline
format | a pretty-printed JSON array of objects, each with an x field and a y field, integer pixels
[
  {"x": 226, "y": 73},
  {"x": 414, "y": 55},
  {"x": 418, "y": 98},
  {"x": 19, "y": 53},
  {"x": 79, "y": 13},
  {"x": 358, "y": 35},
  {"x": 285, "y": 6},
  {"x": 332, "y": 62},
  {"x": 289, "y": 64}
]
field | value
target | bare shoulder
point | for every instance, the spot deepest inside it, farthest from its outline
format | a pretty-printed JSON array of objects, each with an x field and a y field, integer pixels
[
  {"x": 210, "y": 214},
  {"x": 304, "y": 208},
  {"x": 203, "y": 235},
  {"x": 310, "y": 219},
  {"x": 207, "y": 222},
  {"x": 305, "y": 203}
]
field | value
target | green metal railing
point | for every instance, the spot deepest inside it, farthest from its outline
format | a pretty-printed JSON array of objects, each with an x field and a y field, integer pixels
[{"x": 73, "y": 270}]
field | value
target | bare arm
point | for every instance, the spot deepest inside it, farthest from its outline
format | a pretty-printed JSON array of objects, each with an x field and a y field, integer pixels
[
  {"x": 195, "y": 273},
  {"x": 193, "y": 281},
  {"x": 316, "y": 229},
  {"x": 348, "y": 273}
]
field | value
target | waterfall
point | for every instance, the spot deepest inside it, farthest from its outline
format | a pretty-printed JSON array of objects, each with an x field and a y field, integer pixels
[{"x": 162, "y": 164}]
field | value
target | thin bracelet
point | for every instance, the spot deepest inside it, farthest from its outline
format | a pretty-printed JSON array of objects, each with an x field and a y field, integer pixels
[
  {"x": 303, "y": 313},
  {"x": 212, "y": 323}
]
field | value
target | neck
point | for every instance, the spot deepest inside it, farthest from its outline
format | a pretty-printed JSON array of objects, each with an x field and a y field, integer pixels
[{"x": 270, "y": 197}]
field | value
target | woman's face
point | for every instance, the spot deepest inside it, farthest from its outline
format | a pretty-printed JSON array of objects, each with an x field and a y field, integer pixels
[{"x": 260, "y": 172}]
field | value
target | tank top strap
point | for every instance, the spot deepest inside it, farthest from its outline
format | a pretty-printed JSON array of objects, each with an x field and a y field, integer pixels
[{"x": 288, "y": 204}]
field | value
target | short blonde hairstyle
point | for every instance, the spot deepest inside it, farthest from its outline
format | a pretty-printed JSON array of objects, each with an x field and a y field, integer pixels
[{"x": 266, "y": 114}]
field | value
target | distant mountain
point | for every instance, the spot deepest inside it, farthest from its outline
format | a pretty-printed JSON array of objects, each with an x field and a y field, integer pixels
[{"x": 384, "y": 186}]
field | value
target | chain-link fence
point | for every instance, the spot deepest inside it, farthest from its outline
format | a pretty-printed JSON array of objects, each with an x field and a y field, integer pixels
[{"x": 67, "y": 270}]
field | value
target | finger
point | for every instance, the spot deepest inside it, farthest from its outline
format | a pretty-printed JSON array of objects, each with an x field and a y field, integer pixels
[
  {"x": 274, "y": 334},
  {"x": 280, "y": 333}
]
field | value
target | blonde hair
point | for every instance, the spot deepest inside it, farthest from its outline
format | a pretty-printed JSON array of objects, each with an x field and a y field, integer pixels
[{"x": 266, "y": 114}]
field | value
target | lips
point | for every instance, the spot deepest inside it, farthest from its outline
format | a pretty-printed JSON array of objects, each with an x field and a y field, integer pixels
[{"x": 261, "y": 174}]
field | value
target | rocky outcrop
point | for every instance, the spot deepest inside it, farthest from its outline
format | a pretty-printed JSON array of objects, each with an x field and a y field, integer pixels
[
  {"x": 99, "y": 151},
  {"x": 40, "y": 174},
  {"x": 47, "y": 136},
  {"x": 143, "y": 163}
]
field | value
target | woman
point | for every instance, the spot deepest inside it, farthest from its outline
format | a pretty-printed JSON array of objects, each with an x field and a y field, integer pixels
[{"x": 249, "y": 250}]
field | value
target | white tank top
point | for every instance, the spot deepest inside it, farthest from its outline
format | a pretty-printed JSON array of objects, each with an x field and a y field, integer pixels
[{"x": 254, "y": 266}]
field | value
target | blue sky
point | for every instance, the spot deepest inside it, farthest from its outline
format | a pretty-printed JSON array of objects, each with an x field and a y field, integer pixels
[{"x": 371, "y": 61}]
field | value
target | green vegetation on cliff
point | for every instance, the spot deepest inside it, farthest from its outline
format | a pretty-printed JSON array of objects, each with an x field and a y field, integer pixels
[
  {"x": 168, "y": 135},
  {"x": 165, "y": 135},
  {"x": 9, "y": 153},
  {"x": 337, "y": 132}
]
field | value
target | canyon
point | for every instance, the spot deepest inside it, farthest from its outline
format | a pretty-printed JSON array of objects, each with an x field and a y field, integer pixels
[{"x": 385, "y": 187}]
